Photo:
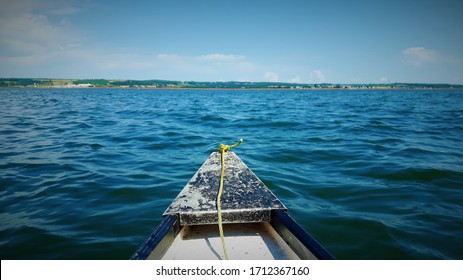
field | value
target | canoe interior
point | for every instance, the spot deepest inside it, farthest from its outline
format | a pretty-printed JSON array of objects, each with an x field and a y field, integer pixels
[
  {"x": 282, "y": 238},
  {"x": 253, "y": 241}
]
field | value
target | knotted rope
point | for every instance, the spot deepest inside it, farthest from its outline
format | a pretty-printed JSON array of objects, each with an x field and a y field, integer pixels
[{"x": 223, "y": 149}]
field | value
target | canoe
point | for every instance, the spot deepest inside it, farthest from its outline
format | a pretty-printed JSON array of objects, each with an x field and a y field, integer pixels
[{"x": 256, "y": 224}]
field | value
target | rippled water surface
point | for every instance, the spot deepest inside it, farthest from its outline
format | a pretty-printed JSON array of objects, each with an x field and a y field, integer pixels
[{"x": 86, "y": 174}]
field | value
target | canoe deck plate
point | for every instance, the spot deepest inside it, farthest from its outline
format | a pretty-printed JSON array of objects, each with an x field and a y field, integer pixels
[{"x": 245, "y": 197}]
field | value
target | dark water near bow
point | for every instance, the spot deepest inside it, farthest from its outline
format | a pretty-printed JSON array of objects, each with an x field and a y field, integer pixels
[{"x": 86, "y": 174}]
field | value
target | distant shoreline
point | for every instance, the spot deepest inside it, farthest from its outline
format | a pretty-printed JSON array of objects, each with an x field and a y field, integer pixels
[
  {"x": 192, "y": 85},
  {"x": 232, "y": 89}
]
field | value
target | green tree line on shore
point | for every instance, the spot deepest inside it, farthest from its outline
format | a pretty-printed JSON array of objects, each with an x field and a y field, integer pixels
[{"x": 37, "y": 82}]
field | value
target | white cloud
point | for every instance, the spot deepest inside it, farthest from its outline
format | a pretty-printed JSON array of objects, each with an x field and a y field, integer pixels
[
  {"x": 271, "y": 77},
  {"x": 31, "y": 36},
  {"x": 64, "y": 11},
  {"x": 169, "y": 57},
  {"x": 218, "y": 57},
  {"x": 13, "y": 7},
  {"x": 383, "y": 79},
  {"x": 38, "y": 39},
  {"x": 296, "y": 80},
  {"x": 317, "y": 76},
  {"x": 420, "y": 55}
]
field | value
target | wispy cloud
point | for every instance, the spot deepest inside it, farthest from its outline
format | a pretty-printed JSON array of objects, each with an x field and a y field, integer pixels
[
  {"x": 317, "y": 76},
  {"x": 38, "y": 40},
  {"x": 30, "y": 36},
  {"x": 382, "y": 79},
  {"x": 420, "y": 55},
  {"x": 169, "y": 57},
  {"x": 271, "y": 77},
  {"x": 65, "y": 11},
  {"x": 218, "y": 57},
  {"x": 219, "y": 66},
  {"x": 296, "y": 80}
]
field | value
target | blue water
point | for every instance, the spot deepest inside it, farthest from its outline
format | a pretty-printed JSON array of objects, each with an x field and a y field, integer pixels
[{"x": 87, "y": 173}]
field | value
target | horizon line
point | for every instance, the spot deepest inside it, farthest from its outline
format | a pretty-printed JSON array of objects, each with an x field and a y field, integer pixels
[{"x": 234, "y": 81}]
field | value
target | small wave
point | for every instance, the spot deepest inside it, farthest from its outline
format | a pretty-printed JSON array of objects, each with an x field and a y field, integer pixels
[
  {"x": 81, "y": 125},
  {"x": 127, "y": 194},
  {"x": 95, "y": 146},
  {"x": 363, "y": 233},
  {"x": 213, "y": 118},
  {"x": 324, "y": 140},
  {"x": 326, "y": 155},
  {"x": 13, "y": 248},
  {"x": 412, "y": 174},
  {"x": 155, "y": 146}
]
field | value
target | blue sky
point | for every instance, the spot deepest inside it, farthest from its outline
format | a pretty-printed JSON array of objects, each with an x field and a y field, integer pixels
[{"x": 333, "y": 41}]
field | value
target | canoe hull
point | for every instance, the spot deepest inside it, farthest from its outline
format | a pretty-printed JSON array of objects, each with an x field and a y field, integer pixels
[{"x": 256, "y": 223}]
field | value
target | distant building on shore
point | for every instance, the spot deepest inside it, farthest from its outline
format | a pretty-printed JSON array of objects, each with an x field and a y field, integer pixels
[{"x": 75, "y": 86}]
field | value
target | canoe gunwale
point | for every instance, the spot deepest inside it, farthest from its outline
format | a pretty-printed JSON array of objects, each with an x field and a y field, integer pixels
[
  {"x": 160, "y": 240},
  {"x": 303, "y": 244}
]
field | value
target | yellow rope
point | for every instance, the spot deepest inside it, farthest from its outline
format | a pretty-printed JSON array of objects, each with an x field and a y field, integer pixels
[{"x": 223, "y": 149}]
